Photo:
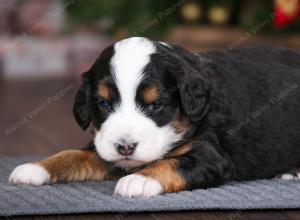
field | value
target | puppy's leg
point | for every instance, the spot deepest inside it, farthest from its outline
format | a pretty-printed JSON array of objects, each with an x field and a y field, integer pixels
[
  {"x": 69, "y": 165},
  {"x": 201, "y": 168},
  {"x": 161, "y": 177}
]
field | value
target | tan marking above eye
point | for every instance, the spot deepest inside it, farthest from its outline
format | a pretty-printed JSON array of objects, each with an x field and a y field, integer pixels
[
  {"x": 150, "y": 94},
  {"x": 104, "y": 91}
]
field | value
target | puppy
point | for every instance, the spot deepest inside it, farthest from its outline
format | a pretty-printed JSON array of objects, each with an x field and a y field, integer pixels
[{"x": 168, "y": 120}]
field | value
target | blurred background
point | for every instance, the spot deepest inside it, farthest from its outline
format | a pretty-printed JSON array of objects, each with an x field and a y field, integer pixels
[{"x": 46, "y": 45}]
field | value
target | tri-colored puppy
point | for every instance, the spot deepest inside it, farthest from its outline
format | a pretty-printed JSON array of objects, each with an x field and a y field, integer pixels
[{"x": 168, "y": 120}]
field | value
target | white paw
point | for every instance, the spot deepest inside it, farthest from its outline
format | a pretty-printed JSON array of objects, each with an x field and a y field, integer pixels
[
  {"x": 138, "y": 185},
  {"x": 31, "y": 174},
  {"x": 287, "y": 176},
  {"x": 290, "y": 176}
]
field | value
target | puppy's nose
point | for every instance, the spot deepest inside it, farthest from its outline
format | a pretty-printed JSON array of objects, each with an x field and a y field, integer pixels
[{"x": 126, "y": 149}]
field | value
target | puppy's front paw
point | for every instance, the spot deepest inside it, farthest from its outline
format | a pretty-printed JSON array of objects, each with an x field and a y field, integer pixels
[
  {"x": 138, "y": 185},
  {"x": 31, "y": 174}
]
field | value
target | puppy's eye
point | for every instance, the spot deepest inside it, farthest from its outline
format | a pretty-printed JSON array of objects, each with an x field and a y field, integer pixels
[
  {"x": 105, "y": 105},
  {"x": 154, "y": 107}
]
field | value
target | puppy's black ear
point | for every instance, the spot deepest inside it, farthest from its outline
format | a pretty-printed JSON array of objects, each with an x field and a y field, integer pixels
[
  {"x": 81, "y": 104},
  {"x": 194, "y": 96},
  {"x": 191, "y": 73}
]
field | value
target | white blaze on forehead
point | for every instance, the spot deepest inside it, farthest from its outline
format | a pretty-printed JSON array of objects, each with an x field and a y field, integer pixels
[{"x": 130, "y": 58}]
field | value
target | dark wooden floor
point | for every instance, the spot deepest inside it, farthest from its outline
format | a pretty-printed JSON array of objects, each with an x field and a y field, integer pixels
[
  {"x": 199, "y": 215},
  {"x": 49, "y": 127}
]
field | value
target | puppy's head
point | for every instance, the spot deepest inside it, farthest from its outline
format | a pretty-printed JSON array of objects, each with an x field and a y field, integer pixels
[{"x": 142, "y": 98}]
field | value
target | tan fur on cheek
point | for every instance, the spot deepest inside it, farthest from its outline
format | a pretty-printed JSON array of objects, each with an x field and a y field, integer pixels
[
  {"x": 150, "y": 94},
  {"x": 181, "y": 150},
  {"x": 180, "y": 125},
  {"x": 166, "y": 172},
  {"x": 75, "y": 165}
]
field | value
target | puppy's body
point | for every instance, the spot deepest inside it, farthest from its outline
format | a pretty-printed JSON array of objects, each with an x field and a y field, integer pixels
[
  {"x": 178, "y": 120},
  {"x": 261, "y": 86}
]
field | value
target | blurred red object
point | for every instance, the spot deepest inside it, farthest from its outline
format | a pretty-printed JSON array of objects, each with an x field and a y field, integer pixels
[{"x": 286, "y": 12}]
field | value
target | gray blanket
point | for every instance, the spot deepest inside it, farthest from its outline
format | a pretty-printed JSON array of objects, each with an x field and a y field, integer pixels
[{"x": 96, "y": 197}]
